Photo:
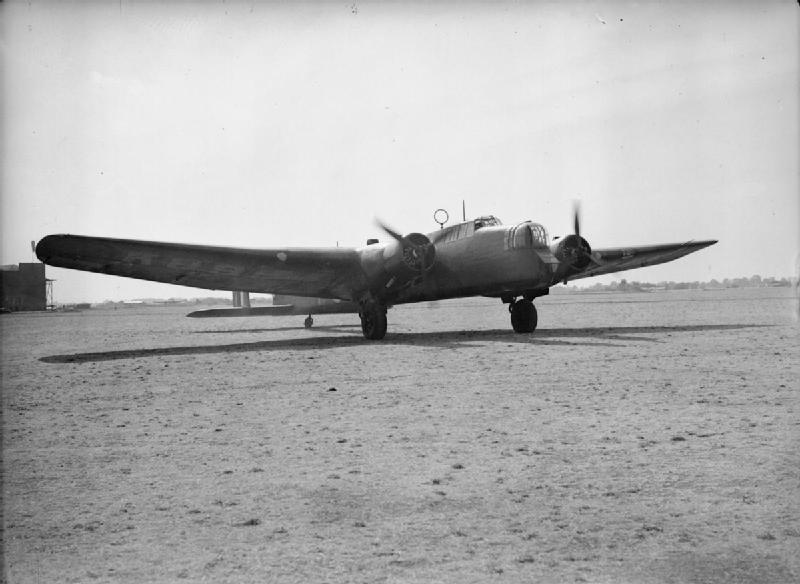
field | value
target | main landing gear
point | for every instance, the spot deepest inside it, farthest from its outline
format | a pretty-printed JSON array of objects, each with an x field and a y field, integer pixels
[
  {"x": 373, "y": 320},
  {"x": 523, "y": 315}
]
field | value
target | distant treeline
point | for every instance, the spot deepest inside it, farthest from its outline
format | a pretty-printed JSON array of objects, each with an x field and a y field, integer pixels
[
  {"x": 625, "y": 286},
  {"x": 205, "y": 301}
]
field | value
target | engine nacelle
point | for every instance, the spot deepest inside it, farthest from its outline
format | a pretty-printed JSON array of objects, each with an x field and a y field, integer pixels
[
  {"x": 574, "y": 253},
  {"x": 414, "y": 255},
  {"x": 398, "y": 262}
]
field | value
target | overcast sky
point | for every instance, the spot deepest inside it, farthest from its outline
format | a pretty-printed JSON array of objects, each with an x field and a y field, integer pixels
[{"x": 252, "y": 124}]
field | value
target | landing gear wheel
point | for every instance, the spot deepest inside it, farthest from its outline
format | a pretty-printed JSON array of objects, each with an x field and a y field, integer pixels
[
  {"x": 308, "y": 322},
  {"x": 523, "y": 316},
  {"x": 373, "y": 321}
]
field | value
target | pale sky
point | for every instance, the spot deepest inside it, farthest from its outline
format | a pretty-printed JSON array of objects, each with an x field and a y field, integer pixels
[{"x": 250, "y": 124}]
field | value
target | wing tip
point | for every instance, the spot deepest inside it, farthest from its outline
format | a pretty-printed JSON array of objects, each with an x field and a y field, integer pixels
[
  {"x": 707, "y": 242},
  {"x": 46, "y": 247},
  {"x": 701, "y": 244}
]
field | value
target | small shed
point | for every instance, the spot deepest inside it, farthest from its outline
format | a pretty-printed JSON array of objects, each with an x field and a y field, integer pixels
[{"x": 24, "y": 287}]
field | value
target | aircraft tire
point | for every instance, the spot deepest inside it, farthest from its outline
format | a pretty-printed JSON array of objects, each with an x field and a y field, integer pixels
[
  {"x": 523, "y": 316},
  {"x": 308, "y": 322},
  {"x": 373, "y": 321}
]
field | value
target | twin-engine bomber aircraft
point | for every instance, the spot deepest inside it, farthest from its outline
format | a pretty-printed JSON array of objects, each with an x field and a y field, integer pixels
[{"x": 474, "y": 258}]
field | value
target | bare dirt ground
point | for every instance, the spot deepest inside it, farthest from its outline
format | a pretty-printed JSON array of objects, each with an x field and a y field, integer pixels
[{"x": 633, "y": 438}]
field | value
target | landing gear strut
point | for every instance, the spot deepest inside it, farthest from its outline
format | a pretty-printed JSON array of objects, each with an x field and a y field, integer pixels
[
  {"x": 373, "y": 320},
  {"x": 523, "y": 316}
]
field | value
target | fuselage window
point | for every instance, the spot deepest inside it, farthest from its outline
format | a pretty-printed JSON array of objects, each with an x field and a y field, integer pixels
[
  {"x": 466, "y": 229},
  {"x": 456, "y": 232}
]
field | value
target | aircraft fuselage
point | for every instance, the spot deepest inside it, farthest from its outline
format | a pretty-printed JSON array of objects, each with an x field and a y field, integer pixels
[
  {"x": 493, "y": 260},
  {"x": 481, "y": 264}
]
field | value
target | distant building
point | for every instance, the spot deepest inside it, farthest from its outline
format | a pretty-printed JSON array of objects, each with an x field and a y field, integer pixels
[{"x": 23, "y": 287}]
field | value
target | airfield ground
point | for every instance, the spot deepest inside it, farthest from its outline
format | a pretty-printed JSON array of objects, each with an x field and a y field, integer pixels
[{"x": 646, "y": 438}]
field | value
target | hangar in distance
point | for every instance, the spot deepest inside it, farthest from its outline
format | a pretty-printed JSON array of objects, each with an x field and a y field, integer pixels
[{"x": 480, "y": 257}]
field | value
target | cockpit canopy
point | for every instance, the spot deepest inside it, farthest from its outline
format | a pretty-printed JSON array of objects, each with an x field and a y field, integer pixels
[
  {"x": 486, "y": 221},
  {"x": 465, "y": 229}
]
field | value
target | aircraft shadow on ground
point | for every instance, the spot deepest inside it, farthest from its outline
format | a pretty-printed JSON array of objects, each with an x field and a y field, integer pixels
[
  {"x": 596, "y": 337},
  {"x": 329, "y": 328}
]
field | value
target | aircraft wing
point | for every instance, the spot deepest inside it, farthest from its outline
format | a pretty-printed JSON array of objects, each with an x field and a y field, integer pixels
[
  {"x": 619, "y": 259},
  {"x": 320, "y": 272}
]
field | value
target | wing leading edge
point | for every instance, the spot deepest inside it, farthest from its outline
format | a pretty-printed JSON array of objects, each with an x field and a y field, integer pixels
[
  {"x": 320, "y": 272},
  {"x": 619, "y": 259}
]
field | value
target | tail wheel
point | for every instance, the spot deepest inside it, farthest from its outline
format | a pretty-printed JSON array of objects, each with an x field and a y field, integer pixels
[
  {"x": 523, "y": 316},
  {"x": 373, "y": 321}
]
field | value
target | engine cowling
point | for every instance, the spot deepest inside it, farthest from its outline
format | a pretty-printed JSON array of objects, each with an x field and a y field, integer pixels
[
  {"x": 410, "y": 257},
  {"x": 399, "y": 261},
  {"x": 574, "y": 253}
]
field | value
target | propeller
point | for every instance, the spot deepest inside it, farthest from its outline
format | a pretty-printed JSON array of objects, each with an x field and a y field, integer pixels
[
  {"x": 573, "y": 250},
  {"x": 389, "y": 230}
]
